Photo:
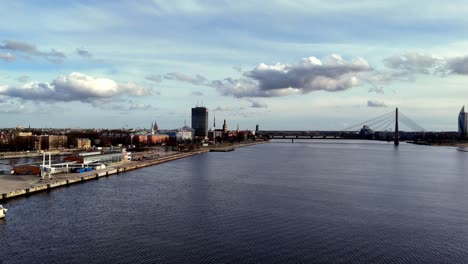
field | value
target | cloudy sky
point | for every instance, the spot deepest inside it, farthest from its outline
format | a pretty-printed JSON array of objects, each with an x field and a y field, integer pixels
[{"x": 295, "y": 64}]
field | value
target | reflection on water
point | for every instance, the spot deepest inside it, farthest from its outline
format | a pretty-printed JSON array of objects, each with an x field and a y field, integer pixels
[{"x": 316, "y": 202}]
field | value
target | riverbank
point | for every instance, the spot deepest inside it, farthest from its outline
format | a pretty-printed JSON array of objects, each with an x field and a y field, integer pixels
[
  {"x": 19, "y": 185},
  {"x": 456, "y": 144}
]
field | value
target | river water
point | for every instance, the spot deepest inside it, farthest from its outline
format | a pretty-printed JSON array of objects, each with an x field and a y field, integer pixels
[{"x": 308, "y": 202}]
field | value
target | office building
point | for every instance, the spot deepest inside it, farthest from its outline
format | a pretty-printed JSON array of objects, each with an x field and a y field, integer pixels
[
  {"x": 463, "y": 123},
  {"x": 200, "y": 122}
]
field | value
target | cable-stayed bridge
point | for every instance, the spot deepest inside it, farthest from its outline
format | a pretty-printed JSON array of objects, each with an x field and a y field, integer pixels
[{"x": 390, "y": 126}]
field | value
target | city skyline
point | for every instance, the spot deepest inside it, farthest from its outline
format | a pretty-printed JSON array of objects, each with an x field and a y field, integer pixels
[{"x": 300, "y": 65}]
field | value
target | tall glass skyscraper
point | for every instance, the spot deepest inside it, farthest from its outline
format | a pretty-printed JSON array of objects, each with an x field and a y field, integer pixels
[
  {"x": 200, "y": 121},
  {"x": 463, "y": 123}
]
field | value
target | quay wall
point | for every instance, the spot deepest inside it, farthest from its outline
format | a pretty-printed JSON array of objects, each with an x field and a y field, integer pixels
[
  {"x": 72, "y": 178},
  {"x": 78, "y": 178}
]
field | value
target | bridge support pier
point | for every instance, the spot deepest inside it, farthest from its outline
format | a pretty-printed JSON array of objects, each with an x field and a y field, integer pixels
[
  {"x": 396, "y": 141},
  {"x": 292, "y": 140}
]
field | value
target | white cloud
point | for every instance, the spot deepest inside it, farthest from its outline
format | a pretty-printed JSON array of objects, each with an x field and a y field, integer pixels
[
  {"x": 331, "y": 74},
  {"x": 74, "y": 87}
]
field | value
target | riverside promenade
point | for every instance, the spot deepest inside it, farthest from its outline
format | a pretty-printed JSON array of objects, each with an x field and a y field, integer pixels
[{"x": 19, "y": 185}]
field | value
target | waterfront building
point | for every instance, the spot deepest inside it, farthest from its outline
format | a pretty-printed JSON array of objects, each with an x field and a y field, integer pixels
[
  {"x": 140, "y": 140},
  {"x": 463, "y": 123},
  {"x": 157, "y": 139},
  {"x": 22, "y": 140},
  {"x": 180, "y": 134},
  {"x": 52, "y": 142},
  {"x": 83, "y": 143},
  {"x": 200, "y": 121}
]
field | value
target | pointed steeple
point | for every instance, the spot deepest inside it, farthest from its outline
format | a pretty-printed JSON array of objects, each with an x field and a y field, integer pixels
[
  {"x": 214, "y": 119},
  {"x": 462, "y": 110},
  {"x": 156, "y": 128}
]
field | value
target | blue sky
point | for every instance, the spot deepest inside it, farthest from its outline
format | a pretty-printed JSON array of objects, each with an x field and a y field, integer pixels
[{"x": 280, "y": 64}]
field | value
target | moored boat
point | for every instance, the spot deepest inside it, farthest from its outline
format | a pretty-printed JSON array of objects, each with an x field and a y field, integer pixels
[{"x": 2, "y": 211}]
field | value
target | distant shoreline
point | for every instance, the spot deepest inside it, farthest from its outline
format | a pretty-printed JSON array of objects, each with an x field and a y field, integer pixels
[{"x": 441, "y": 144}]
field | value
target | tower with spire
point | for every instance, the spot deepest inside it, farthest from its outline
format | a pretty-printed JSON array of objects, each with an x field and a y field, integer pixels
[
  {"x": 214, "y": 120},
  {"x": 154, "y": 128},
  {"x": 225, "y": 127}
]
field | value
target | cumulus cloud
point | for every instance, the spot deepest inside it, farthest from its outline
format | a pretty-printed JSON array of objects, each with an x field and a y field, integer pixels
[
  {"x": 7, "y": 57},
  {"x": 310, "y": 74},
  {"x": 84, "y": 53},
  {"x": 374, "y": 103},
  {"x": 458, "y": 65},
  {"x": 413, "y": 62},
  {"x": 29, "y": 49},
  {"x": 154, "y": 78},
  {"x": 331, "y": 74},
  {"x": 74, "y": 87}
]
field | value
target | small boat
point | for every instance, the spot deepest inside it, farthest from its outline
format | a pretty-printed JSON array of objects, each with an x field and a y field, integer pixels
[{"x": 2, "y": 211}]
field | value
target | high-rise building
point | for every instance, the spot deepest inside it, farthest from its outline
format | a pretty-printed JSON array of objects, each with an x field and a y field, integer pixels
[
  {"x": 463, "y": 123},
  {"x": 200, "y": 121}
]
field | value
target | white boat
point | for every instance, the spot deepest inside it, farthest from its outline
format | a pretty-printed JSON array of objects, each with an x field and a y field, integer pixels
[{"x": 2, "y": 211}]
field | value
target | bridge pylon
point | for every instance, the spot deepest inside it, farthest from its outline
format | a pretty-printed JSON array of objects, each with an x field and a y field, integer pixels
[{"x": 396, "y": 141}]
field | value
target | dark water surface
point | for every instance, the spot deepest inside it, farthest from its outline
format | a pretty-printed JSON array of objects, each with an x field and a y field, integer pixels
[{"x": 325, "y": 202}]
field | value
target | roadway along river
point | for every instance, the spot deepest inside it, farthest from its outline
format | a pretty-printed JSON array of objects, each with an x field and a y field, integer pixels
[{"x": 316, "y": 202}]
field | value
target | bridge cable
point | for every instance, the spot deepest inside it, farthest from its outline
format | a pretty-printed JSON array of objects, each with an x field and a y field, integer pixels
[{"x": 358, "y": 126}]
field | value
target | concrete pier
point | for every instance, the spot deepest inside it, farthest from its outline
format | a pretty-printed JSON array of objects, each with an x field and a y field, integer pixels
[
  {"x": 12, "y": 186},
  {"x": 71, "y": 178}
]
